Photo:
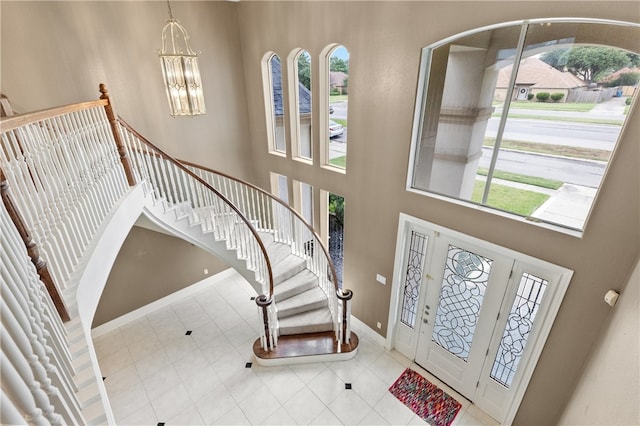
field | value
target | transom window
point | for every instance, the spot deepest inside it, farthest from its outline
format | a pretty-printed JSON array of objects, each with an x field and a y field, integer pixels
[{"x": 524, "y": 118}]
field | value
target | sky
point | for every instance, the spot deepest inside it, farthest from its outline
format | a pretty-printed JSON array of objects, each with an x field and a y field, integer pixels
[{"x": 341, "y": 52}]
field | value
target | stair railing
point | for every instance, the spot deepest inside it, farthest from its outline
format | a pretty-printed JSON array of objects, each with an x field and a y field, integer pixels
[
  {"x": 290, "y": 228},
  {"x": 174, "y": 183},
  {"x": 37, "y": 385},
  {"x": 65, "y": 176}
]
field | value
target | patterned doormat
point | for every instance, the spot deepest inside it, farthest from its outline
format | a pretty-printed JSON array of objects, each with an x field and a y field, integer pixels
[{"x": 425, "y": 399}]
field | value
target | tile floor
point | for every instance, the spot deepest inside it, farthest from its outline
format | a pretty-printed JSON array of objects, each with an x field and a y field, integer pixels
[{"x": 157, "y": 373}]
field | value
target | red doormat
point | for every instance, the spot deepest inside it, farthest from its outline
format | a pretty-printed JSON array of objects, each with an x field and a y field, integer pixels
[{"x": 425, "y": 399}]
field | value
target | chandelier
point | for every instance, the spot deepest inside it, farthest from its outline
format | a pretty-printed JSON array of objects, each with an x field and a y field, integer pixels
[{"x": 180, "y": 70}]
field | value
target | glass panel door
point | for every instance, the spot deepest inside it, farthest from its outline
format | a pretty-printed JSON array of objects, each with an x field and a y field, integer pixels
[
  {"x": 464, "y": 295},
  {"x": 466, "y": 275}
]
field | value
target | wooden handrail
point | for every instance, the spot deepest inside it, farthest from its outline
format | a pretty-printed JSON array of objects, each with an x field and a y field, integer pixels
[
  {"x": 334, "y": 275},
  {"x": 18, "y": 120},
  {"x": 253, "y": 230},
  {"x": 32, "y": 250},
  {"x": 113, "y": 122}
]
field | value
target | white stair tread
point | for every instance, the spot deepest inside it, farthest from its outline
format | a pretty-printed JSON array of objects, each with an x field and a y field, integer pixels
[
  {"x": 287, "y": 268},
  {"x": 305, "y": 301},
  {"x": 314, "y": 321},
  {"x": 301, "y": 282},
  {"x": 277, "y": 252}
]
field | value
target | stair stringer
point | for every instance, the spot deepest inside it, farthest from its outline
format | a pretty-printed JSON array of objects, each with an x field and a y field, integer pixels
[
  {"x": 164, "y": 217},
  {"x": 182, "y": 221}
]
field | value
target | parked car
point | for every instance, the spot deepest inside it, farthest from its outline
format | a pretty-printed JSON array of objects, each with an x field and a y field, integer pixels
[{"x": 335, "y": 129}]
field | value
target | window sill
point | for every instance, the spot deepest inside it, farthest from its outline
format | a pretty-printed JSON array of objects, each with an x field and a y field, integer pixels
[{"x": 528, "y": 220}]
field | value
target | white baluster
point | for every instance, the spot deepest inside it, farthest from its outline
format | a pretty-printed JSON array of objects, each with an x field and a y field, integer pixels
[
  {"x": 9, "y": 413},
  {"x": 23, "y": 389},
  {"x": 19, "y": 329}
]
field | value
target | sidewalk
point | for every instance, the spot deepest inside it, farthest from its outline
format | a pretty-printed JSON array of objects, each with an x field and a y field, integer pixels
[{"x": 569, "y": 205}]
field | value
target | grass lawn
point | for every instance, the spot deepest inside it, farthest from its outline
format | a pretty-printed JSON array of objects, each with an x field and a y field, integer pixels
[
  {"x": 553, "y": 106},
  {"x": 339, "y": 161},
  {"x": 529, "y": 180},
  {"x": 340, "y": 121},
  {"x": 338, "y": 98},
  {"x": 561, "y": 150},
  {"x": 571, "y": 119},
  {"x": 510, "y": 199}
]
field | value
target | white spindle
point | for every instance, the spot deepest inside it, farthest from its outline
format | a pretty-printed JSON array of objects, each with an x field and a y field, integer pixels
[
  {"x": 9, "y": 413},
  {"x": 19, "y": 328},
  {"x": 24, "y": 279},
  {"x": 28, "y": 391},
  {"x": 29, "y": 324}
]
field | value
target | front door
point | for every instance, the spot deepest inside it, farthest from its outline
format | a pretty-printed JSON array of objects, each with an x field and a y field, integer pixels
[
  {"x": 473, "y": 314},
  {"x": 466, "y": 287}
]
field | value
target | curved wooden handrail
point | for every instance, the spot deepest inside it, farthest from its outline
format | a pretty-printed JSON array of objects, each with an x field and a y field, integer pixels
[
  {"x": 14, "y": 121},
  {"x": 334, "y": 275},
  {"x": 177, "y": 163}
]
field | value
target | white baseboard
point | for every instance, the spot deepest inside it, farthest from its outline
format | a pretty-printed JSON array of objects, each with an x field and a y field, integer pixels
[
  {"x": 360, "y": 327},
  {"x": 161, "y": 303}
]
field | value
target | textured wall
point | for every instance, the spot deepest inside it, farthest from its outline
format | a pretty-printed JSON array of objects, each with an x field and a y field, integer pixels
[
  {"x": 151, "y": 265},
  {"x": 610, "y": 382},
  {"x": 385, "y": 41},
  {"x": 55, "y": 53}
]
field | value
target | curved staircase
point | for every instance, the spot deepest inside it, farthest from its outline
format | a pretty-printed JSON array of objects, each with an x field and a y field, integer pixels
[{"x": 74, "y": 179}]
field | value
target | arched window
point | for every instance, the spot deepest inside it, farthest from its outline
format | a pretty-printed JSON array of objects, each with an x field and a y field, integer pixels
[
  {"x": 300, "y": 92},
  {"x": 274, "y": 104},
  {"x": 334, "y": 150},
  {"x": 523, "y": 118}
]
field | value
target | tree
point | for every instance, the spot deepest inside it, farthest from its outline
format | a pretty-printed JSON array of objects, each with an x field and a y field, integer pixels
[
  {"x": 634, "y": 59},
  {"x": 336, "y": 207},
  {"x": 557, "y": 58},
  {"x": 304, "y": 69},
  {"x": 587, "y": 62},
  {"x": 337, "y": 64},
  {"x": 590, "y": 62}
]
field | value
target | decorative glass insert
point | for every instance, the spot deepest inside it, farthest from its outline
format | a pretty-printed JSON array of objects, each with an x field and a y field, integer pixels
[
  {"x": 518, "y": 328},
  {"x": 463, "y": 286},
  {"x": 413, "y": 278}
]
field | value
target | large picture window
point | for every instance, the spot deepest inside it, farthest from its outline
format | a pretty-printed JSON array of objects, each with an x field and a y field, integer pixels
[{"x": 524, "y": 118}]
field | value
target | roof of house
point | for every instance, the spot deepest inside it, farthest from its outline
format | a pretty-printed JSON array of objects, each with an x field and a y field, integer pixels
[
  {"x": 537, "y": 74},
  {"x": 615, "y": 75},
  {"x": 304, "y": 95},
  {"x": 337, "y": 78}
]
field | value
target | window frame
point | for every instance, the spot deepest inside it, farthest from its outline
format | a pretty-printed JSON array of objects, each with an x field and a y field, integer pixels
[
  {"x": 270, "y": 113},
  {"x": 420, "y": 111}
]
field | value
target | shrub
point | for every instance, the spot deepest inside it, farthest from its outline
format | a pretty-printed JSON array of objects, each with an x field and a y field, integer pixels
[
  {"x": 542, "y": 96},
  {"x": 626, "y": 79},
  {"x": 555, "y": 97},
  {"x": 627, "y": 101},
  {"x": 530, "y": 96}
]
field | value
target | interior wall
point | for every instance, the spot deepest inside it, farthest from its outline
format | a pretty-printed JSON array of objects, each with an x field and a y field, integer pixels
[
  {"x": 145, "y": 271},
  {"x": 58, "y": 52},
  {"x": 384, "y": 40},
  {"x": 610, "y": 382}
]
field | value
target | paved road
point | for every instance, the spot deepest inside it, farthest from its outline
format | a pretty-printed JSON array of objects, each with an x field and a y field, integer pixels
[
  {"x": 578, "y": 172},
  {"x": 594, "y": 136},
  {"x": 339, "y": 110}
]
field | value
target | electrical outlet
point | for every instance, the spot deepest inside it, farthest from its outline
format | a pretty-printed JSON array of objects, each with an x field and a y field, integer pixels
[
  {"x": 206, "y": 272},
  {"x": 381, "y": 279},
  {"x": 378, "y": 325}
]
